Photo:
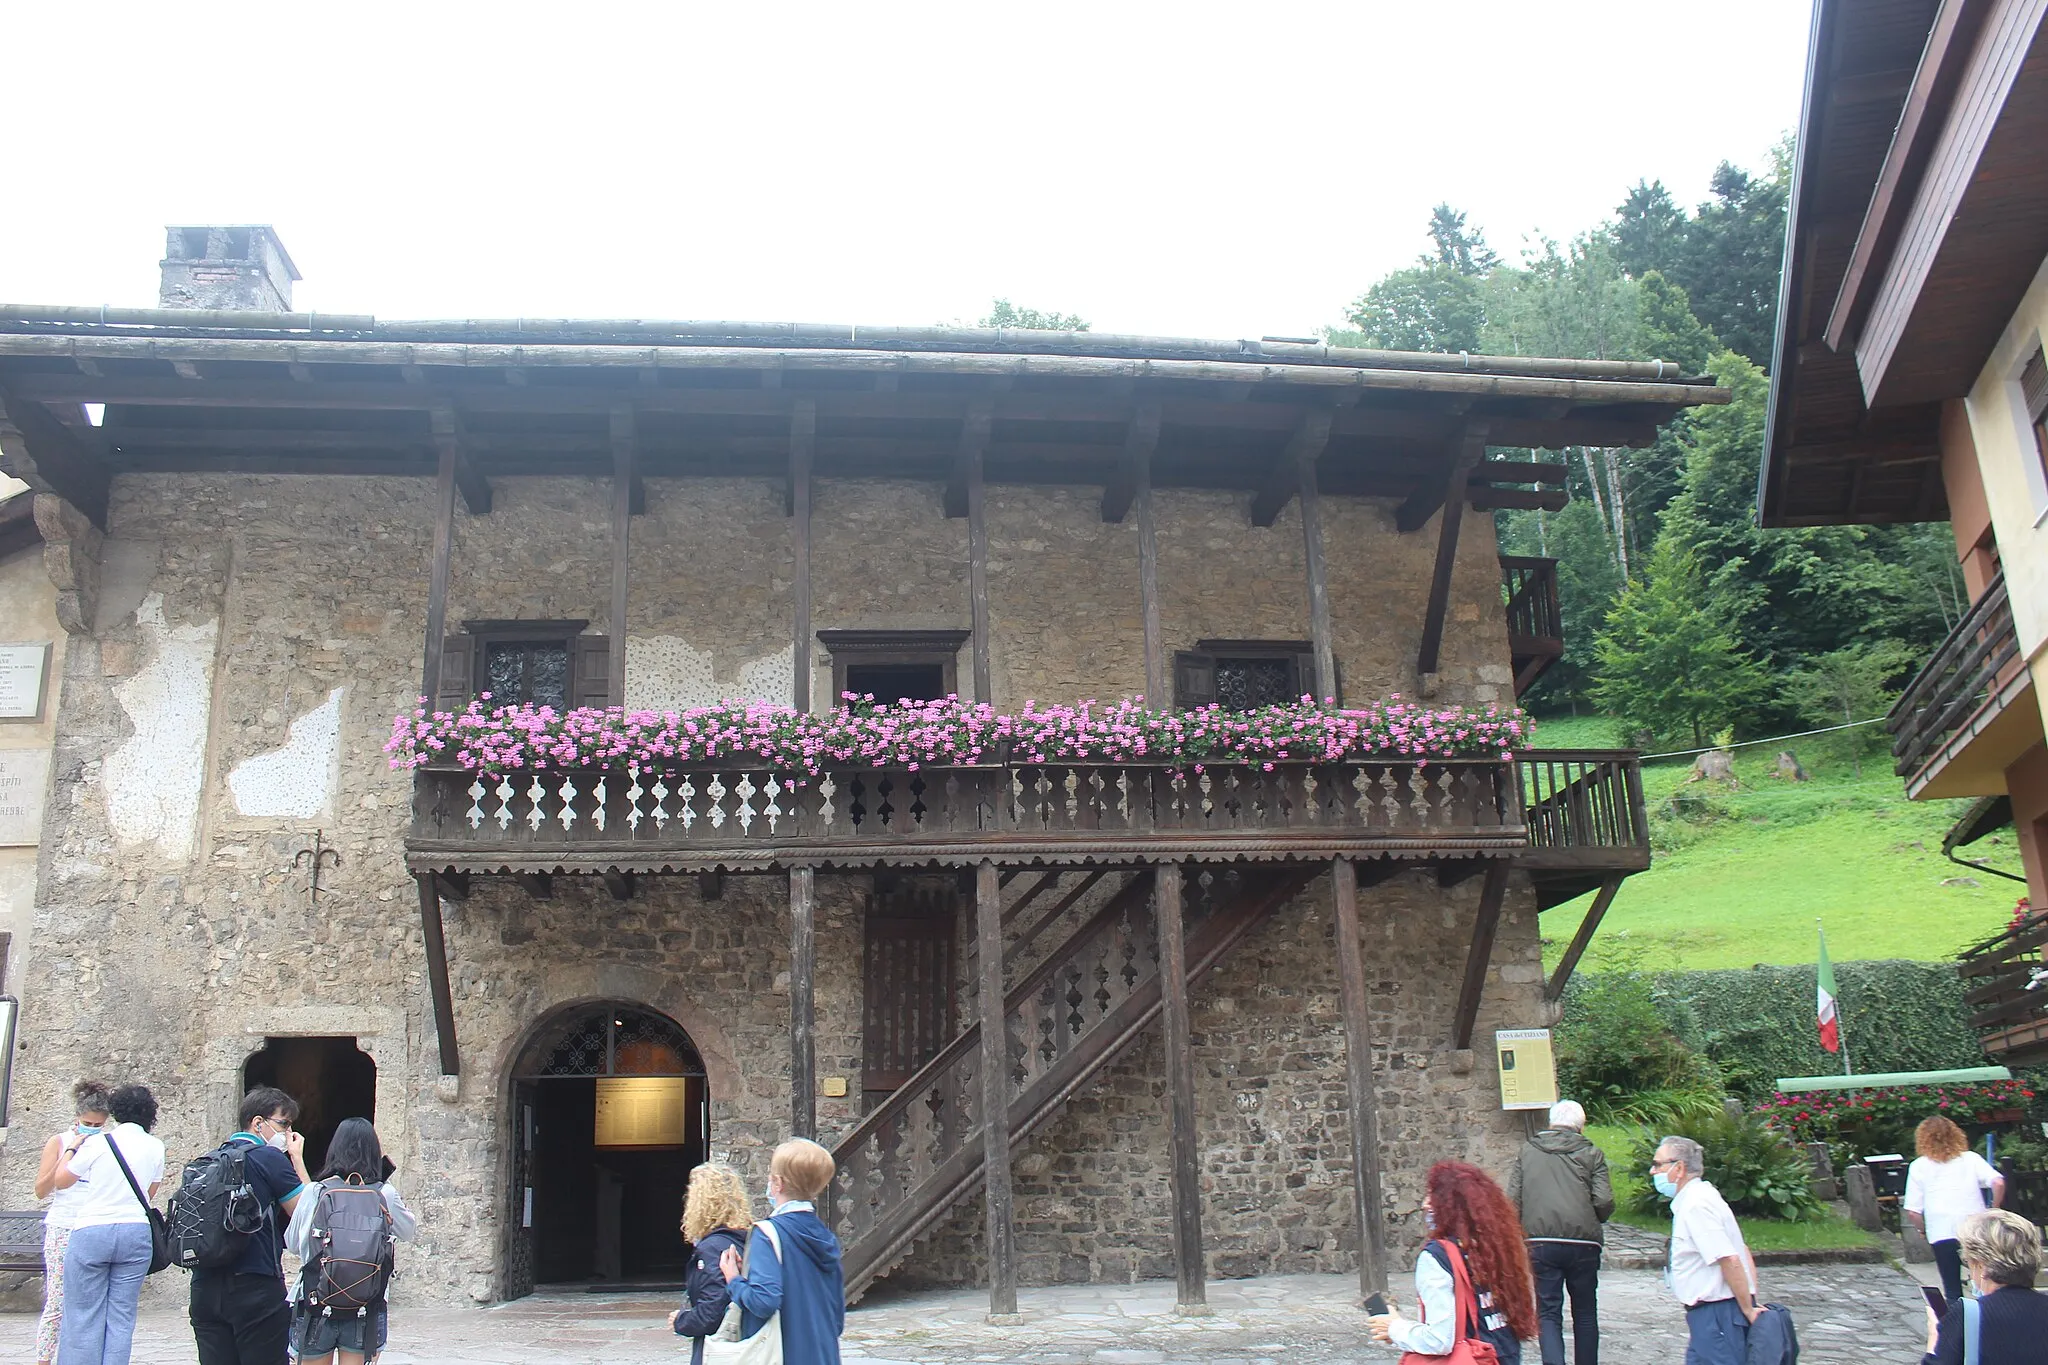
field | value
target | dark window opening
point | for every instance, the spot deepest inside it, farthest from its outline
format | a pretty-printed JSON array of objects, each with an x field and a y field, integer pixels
[
  {"x": 194, "y": 240},
  {"x": 238, "y": 244},
  {"x": 532, "y": 672},
  {"x": 898, "y": 682},
  {"x": 1244, "y": 675},
  {"x": 331, "y": 1078},
  {"x": 1248, "y": 684}
]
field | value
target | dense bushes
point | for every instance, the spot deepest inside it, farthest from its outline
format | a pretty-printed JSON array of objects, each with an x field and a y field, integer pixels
[
  {"x": 1756, "y": 1170},
  {"x": 1858, "y": 1123},
  {"x": 1619, "y": 1055}
]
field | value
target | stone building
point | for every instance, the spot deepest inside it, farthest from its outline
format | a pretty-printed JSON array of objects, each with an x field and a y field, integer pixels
[{"x": 555, "y": 993}]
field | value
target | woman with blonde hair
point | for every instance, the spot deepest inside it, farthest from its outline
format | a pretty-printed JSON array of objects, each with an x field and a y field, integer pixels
[
  {"x": 715, "y": 1219},
  {"x": 1944, "y": 1185}
]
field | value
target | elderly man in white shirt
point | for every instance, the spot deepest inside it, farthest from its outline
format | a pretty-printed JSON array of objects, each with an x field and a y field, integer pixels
[{"x": 1711, "y": 1271}]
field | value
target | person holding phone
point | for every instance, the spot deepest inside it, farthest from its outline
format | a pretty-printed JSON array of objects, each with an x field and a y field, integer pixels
[
  {"x": 2008, "y": 1320},
  {"x": 1946, "y": 1183}
]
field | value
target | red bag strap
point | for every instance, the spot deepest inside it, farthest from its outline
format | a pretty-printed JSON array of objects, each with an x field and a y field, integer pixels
[{"x": 1467, "y": 1299}]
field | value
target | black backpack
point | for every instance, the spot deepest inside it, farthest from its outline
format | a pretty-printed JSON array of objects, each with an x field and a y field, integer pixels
[
  {"x": 215, "y": 1211},
  {"x": 352, "y": 1258}
]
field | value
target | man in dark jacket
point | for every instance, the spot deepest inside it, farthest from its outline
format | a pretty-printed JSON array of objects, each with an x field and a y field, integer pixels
[
  {"x": 793, "y": 1271},
  {"x": 1561, "y": 1186}
]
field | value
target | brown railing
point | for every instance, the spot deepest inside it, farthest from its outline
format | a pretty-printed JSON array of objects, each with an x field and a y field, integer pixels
[
  {"x": 1975, "y": 674},
  {"x": 1530, "y": 584},
  {"x": 1128, "y": 812},
  {"x": 1583, "y": 803},
  {"x": 2007, "y": 1008}
]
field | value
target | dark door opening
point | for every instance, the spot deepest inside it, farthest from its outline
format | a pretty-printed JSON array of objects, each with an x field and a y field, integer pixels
[
  {"x": 891, "y": 683},
  {"x": 331, "y": 1078},
  {"x": 609, "y": 1117},
  {"x": 908, "y": 994}
]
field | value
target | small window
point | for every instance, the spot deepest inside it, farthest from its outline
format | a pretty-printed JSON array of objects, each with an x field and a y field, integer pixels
[
  {"x": 2034, "y": 388},
  {"x": 921, "y": 665},
  {"x": 1244, "y": 675},
  {"x": 898, "y": 682},
  {"x": 533, "y": 672},
  {"x": 193, "y": 240},
  {"x": 525, "y": 663},
  {"x": 238, "y": 244}
]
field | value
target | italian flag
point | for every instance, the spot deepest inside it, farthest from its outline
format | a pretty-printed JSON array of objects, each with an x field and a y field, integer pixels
[{"x": 1830, "y": 1023}]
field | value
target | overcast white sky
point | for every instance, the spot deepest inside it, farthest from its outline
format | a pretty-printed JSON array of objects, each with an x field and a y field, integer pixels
[{"x": 1171, "y": 168}]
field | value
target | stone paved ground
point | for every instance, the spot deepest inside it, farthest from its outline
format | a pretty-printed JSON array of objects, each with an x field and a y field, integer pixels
[{"x": 1844, "y": 1313}]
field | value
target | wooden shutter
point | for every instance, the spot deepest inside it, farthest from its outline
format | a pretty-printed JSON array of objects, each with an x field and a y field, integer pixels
[
  {"x": 591, "y": 683},
  {"x": 1306, "y": 681},
  {"x": 907, "y": 1002},
  {"x": 2034, "y": 385},
  {"x": 1194, "y": 680},
  {"x": 458, "y": 673}
]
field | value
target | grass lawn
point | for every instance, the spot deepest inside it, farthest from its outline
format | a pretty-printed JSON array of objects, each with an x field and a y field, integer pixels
[
  {"x": 1742, "y": 880},
  {"x": 1762, "y": 1234}
]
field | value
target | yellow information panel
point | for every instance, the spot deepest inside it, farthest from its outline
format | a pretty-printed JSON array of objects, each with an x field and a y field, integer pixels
[
  {"x": 643, "y": 1111},
  {"x": 1528, "y": 1070}
]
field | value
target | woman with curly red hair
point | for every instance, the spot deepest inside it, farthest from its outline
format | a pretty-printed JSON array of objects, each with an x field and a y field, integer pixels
[{"x": 1473, "y": 1230}]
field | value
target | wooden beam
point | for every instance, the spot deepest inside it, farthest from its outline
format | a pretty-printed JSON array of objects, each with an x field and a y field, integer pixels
[
  {"x": 446, "y": 428},
  {"x": 803, "y": 967},
  {"x": 995, "y": 1094},
  {"x": 1567, "y": 964},
  {"x": 1414, "y": 514},
  {"x": 1318, "y": 580},
  {"x": 1368, "y": 1201},
  {"x": 1158, "y": 690},
  {"x": 1311, "y": 434},
  {"x": 539, "y": 885},
  {"x": 452, "y": 886},
  {"x": 1046, "y": 881},
  {"x": 1484, "y": 926},
  {"x": 1185, "y": 1172},
  {"x": 1379, "y": 871},
  {"x": 1060, "y": 907},
  {"x": 967, "y": 459},
  {"x": 803, "y": 432},
  {"x": 973, "y": 442},
  {"x": 51, "y": 458},
  {"x": 625, "y": 455},
  {"x": 1471, "y": 449},
  {"x": 620, "y": 884},
  {"x": 437, "y": 582},
  {"x": 436, "y": 943},
  {"x": 1141, "y": 438},
  {"x": 186, "y": 369}
]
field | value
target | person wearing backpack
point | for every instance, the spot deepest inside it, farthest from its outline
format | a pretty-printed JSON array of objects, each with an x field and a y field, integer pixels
[
  {"x": 343, "y": 1232},
  {"x": 227, "y": 1227},
  {"x": 104, "y": 1266}
]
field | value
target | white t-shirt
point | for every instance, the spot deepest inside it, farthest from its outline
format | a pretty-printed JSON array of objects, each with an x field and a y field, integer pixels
[
  {"x": 108, "y": 1199},
  {"x": 1946, "y": 1192},
  {"x": 1703, "y": 1230}
]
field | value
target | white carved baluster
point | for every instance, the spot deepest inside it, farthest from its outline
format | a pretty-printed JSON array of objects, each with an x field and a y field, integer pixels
[
  {"x": 1389, "y": 802},
  {"x": 505, "y": 792},
  {"x": 1311, "y": 810},
  {"x": 634, "y": 791},
  {"x": 1071, "y": 786},
  {"x": 536, "y": 795},
  {"x": 828, "y": 805},
  {"x": 1361, "y": 783},
  {"x": 774, "y": 810},
  {"x": 660, "y": 812},
  {"x": 597, "y": 814},
  {"x": 745, "y": 814},
  {"x": 686, "y": 805},
  {"x": 716, "y": 792},
  {"x": 568, "y": 793},
  {"x": 1206, "y": 785},
  {"x": 475, "y": 814}
]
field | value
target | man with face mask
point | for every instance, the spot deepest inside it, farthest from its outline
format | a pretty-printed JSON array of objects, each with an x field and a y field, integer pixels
[
  {"x": 239, "y": 1312},
  {"x": 1710, "y": 1270}
]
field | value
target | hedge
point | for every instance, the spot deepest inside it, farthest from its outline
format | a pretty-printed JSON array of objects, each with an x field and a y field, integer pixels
[{"x": 1758, "y": 1024}]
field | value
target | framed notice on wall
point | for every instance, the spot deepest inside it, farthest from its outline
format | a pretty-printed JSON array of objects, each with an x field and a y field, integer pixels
[
  {"x": 1528, "y": 1069},
  {"x": 643, "y": 1111},
  {"x": 24, "y": 674}
]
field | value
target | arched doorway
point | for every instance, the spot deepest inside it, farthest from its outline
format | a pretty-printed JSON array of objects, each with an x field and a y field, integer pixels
[
  {"x": 609, "y": 1113},
  {"x": 331, "y": 1078}
]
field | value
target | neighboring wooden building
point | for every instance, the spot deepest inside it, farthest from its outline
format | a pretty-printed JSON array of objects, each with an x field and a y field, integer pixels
[
  {"x": 1910, "y": 386},
  {"x": 274, "y": 510}
]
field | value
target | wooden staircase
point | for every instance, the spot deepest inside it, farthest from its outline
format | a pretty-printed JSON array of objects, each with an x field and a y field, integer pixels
[{"x": 913, "y": 1158}]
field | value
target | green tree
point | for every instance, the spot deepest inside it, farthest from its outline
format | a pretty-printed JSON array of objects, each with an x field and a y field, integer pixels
[
  {"x": 1649, "y": 229},
  {"x": 1669, "y": 663},
  {"x": 1461, "y": 248},
  {"x": 1429, "y": 307},
  {"x": 1003, "y": 313},
  {"x": 1733, "y": 251},
  {"x": 1847, "y": 685}
]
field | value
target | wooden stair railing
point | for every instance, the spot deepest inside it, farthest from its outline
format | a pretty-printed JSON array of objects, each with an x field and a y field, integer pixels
[{"x": 919, "y": 1153}]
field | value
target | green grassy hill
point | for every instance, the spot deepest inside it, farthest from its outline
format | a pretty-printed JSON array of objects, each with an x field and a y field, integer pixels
[{"x": 1740, "y": 876}]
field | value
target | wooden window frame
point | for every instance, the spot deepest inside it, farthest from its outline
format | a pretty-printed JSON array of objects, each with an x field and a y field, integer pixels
[
  {"x": 2033, "y": 383},
  {"x": 1209, "y": 652},
  {"x": 911, "y": 647},
  {"x": 462, "y": 659}
]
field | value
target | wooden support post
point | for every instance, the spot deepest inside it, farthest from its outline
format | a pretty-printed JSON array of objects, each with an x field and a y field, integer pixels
[
  {"x": 1366, "y": 1195},
  {"x": 1483, "y": 929},
  {"x": 973, "y": 443},
  {"x": 1191, "y": 1288},
  {"x": 1141, "y": 438},
  {"x": 1570, "y": 961},
  {"x": 803, "y": 434},
  {"x": 1158, "y": 690},
  {"x": 803, "y": 964},
  {"x": 437, "y": 581},
  {"x": 1471, "y": 450},
  {"x": 437, "y": 975},
  {"x": 995, "y": 1094},
  {"x": 1318, "y": 582},
  {"x": 448, "y": 440},
  {"x": 625, "y": 452},
  {"x": 1311, "y": 434}
]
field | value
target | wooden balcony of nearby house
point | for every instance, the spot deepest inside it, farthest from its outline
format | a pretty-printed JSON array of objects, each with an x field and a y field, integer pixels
[
  {"x": 1959, "y": 724},
  {"x": 2005, "y": 988},
  {"x": 1535, "y": 623}
]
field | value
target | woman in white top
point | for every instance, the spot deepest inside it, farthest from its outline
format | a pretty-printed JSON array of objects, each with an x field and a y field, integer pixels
[
  {"x": 354, "y": 1155},
  {"x": 110, "y": 1243},
  {"x": 1944, "y": 1185},
  {"x": 90, "y": 1097}
]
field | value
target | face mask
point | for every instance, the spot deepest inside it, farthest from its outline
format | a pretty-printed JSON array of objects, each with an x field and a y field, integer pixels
[
  {"x": 281, "y": 1141},
  {"x": 1429, "y": 1219},
  {"x": 88, "y": 1129},
  {"x": 1664, "y": 1185}
]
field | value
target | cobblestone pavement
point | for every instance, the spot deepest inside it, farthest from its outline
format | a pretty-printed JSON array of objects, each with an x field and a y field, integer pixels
[{"x": 1844, "y": 1313}]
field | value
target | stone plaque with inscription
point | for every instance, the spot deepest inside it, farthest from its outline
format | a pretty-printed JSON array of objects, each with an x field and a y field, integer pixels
[
  {"x": 24, "y": 670},
  {"x": 24, "y": 774}
]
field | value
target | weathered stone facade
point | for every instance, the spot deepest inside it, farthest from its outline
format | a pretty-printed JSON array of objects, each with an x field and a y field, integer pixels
[{"x": 255, "y": 635}]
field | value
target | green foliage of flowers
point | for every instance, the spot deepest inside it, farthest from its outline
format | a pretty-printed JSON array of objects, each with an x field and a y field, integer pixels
[
  {"x": 1749, "y": 1161},
  {"x": 1858, "y": 1123},
  {"x": 1620, "y": 1057}
]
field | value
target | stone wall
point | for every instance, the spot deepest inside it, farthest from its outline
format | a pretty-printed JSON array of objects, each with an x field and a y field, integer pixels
[{"x": 256, "y": 634}]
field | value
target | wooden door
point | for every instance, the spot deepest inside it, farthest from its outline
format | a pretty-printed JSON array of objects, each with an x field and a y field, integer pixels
[
  {"x": 519, "y": 1251},
  {"x": 909, "y": 984}
]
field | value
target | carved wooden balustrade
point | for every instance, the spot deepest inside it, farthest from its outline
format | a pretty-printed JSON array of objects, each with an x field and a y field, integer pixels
[
  {"x": 2005, "y": 986},
  {"x": 739, "y": 817},
  {"x": 1969, "y": 682},
  {"x": 919, "y": 1152},
  {"x": 1585, "y": 816},
  {"x": 1535, "y": 620}
]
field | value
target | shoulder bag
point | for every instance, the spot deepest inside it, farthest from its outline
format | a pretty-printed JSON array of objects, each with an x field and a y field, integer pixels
[
  {"x": 1467, "y": 1346},
  {"x": 159, "y": 1230},
  {"x": 725, "y": 1347}
]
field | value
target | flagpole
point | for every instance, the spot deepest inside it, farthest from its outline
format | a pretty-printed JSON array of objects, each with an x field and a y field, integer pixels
[{"x": 1841, "y": 1030}]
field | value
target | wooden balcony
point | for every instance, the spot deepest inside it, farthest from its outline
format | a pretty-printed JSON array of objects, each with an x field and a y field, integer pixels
[
  {"x": 1535, "y": 622},
  {"x": 1967, "y": 692},
  {"x": 1585, "y": 809},
  {"x": 2007, "y": 1007}
]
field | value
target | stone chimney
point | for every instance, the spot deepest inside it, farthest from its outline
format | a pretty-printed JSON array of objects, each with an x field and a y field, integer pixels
[{"x": 243, "y": 269}]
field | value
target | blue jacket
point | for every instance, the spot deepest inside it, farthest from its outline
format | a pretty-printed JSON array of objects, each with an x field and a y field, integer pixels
[
  {"x": 705, "y": 1307},
  {"x": 805, "y": 1285}
]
